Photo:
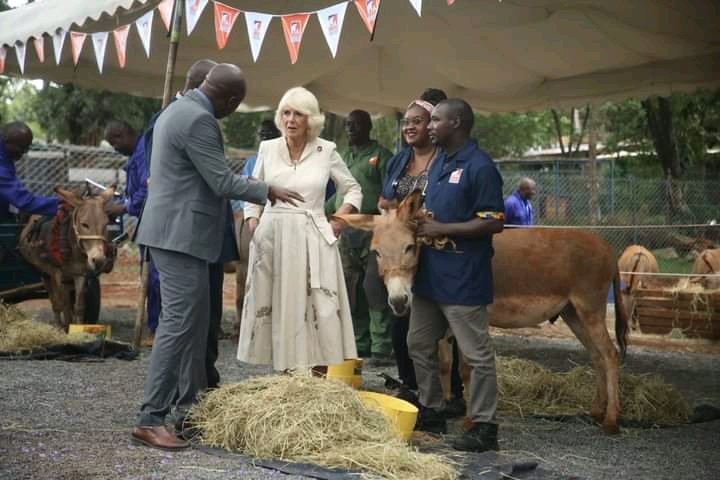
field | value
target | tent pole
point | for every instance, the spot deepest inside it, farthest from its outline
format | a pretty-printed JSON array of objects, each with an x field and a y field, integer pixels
[{"x": 167, "y": 94}]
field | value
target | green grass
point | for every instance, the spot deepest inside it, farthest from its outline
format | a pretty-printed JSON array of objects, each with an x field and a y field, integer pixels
[{"x": 674, "y": 265}]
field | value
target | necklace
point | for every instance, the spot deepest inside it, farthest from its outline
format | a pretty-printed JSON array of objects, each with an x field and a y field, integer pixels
[{"x": 428, "y": 161}]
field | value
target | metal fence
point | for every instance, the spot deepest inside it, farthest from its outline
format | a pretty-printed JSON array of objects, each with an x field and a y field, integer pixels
[{"x": 623, "y": 210}]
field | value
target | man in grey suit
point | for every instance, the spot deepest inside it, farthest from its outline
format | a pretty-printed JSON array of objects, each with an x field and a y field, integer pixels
[{"x": 182, "y": 225}]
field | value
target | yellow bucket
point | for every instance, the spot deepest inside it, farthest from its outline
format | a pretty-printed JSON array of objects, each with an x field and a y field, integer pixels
[
  {"x": 350, "y": 372},
  {"x": 102, "y": 332},
  {"x": 401, "y": 413}
]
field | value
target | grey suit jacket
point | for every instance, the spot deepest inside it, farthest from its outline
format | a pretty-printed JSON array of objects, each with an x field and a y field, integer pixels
[{"x": 189, "y": 180}]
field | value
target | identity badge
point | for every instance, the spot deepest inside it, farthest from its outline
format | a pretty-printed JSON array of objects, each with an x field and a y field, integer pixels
[{"x": 455, "y": 176}]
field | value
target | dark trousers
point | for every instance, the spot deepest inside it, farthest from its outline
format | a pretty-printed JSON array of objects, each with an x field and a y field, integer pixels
[
  {"x": 216, "y": 277},
  {"x": 406, "y": 370}
]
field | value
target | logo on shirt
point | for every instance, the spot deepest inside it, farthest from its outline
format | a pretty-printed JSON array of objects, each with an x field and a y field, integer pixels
[
  {"x": 373, "y": 161},
  {"x": 455, "y": 176}
]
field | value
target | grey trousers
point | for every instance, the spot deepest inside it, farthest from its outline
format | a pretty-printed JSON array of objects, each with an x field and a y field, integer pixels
[
  {"x": 177, "y": 361},
  {"x": 429, "y": 322}
]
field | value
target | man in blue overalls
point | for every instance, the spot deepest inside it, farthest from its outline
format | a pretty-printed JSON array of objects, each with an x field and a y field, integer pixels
[
  {"x": 126, "y": 141},
  {"x": 453, "y": 285},
  {"x": 15, "y": 140}
]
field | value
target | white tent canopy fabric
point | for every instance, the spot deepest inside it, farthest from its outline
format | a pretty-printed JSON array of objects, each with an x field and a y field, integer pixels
[{"x": 509, "y": 55}]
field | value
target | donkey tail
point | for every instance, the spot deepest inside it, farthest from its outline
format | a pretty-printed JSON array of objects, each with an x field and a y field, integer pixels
[{"x": 621, "y": 316}]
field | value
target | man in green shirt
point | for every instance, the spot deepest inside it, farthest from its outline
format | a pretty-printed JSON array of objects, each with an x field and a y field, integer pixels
[{"x": 367, "y": 161}]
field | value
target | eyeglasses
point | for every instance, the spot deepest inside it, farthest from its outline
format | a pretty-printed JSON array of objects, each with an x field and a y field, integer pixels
[{"x": 415, "y": 121}]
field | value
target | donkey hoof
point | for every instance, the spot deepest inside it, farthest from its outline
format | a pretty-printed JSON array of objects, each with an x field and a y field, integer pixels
[{"x": 611, "y": 428}]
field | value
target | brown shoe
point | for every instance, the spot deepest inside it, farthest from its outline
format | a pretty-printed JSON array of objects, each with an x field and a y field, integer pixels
[{"x": 158, "y": 437}]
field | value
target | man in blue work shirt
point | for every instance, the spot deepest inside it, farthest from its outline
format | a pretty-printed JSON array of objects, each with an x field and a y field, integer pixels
[
  {"x": 518, "y": 208},
  {"x": 454, "y": 283},
  {"x": 15, "y": 141},
  {"x": 126, "y": 141}
]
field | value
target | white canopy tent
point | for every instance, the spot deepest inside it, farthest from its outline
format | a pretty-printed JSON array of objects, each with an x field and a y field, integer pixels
[{"x": 508, "y": 55}]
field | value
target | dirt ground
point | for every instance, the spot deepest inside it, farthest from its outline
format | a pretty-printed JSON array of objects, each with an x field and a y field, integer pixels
[{"x": 71, "y": 420}]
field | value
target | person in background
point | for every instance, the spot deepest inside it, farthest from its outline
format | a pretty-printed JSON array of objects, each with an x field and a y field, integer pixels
[
  {"x": 367, "y": 162},
  {"x": 15, "y": 141},
  {"x": 454, "y": 283},
  {"x": 123, "y": 138},
  {"x": 518, "y": 206},
  {"x": 296, "y": 313}
]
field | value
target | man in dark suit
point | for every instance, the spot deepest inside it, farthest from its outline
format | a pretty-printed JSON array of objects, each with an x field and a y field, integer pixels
[{"x": 182, "y": 225}]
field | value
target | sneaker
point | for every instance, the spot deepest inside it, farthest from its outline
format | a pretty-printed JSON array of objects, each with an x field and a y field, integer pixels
[
  {"x": 480, "y": 438},
  {"x": 430, "y": 421}
]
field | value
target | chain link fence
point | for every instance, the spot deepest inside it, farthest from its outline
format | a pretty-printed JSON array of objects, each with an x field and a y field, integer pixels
[{"x": 623, "y": 210}]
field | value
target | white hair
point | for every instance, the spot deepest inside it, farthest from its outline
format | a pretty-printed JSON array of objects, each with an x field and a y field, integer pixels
[{"x": 302, "y": 100}]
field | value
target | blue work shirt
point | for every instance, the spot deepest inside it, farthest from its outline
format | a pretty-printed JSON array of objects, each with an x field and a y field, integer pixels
[
  {"x": 395, "y": 168},
  {"x": 518, "y": 210},
  {"x": 13, "y": 192},
  {"x": 136, "y": 179},
  {"x": 246, "y": 171},
  {"x": 460, "y": 187}
]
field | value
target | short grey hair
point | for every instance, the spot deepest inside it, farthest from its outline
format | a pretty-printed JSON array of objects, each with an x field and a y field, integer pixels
[
  {"x": 302, "y": 100},
  {"x": 526, "y": 181}
]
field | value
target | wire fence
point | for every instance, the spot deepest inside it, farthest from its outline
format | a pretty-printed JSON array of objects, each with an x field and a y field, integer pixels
[{"x": 671, "y": 218}]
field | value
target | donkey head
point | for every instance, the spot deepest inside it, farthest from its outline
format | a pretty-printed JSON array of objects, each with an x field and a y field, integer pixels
[
  {"x": 89, "y": 224},
  {"x": 395, "y": 245}
]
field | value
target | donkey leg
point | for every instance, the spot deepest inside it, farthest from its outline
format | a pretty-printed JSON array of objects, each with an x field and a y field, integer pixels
[
  {"x": 54, "y": 303},
  {"x": 589, "y": 327},
  {"x": 79, "y": 307}
]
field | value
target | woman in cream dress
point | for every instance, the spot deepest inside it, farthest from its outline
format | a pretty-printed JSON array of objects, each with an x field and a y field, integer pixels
[{"x": 296, "y": 312}]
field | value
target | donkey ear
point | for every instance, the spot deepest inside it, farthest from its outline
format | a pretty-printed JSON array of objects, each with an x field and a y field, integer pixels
[
  {"x": 108, "y": 193},
  {"x": 356, "y": 220},
  {"x": 410, "y": 206},
  {"x": 70, "y": 197}
]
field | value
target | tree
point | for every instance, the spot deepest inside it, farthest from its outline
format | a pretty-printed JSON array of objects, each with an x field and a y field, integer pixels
[
  {"x": 240, "y": 129},
  {"x": 512, "y": 134},
  {"x": 78, "y": 115}
]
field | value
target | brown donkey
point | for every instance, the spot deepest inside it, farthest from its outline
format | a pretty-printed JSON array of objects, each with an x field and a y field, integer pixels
[
  {"x": 72, "y": 244},
  {"x": 539, "y": 274}
]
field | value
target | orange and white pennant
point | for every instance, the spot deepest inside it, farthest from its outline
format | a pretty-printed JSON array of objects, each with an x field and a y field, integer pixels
[
  {"x": 224, "y": 21},
  {"x": 294, "y": 27},
  {"x": 39, "y": 44},
  {"x": 120, "y": 35},
  {"x": 99, "y": 41},
  {"x": 58, "y": 39},
  {"x": 20, "y": 54},
  {"x": 193, "y": 10},
  {"x": 368, "y": 10},
  {"x": 450, "y": 2},
  {"x": 417, "y": 5},
  {"x": 77, "y": 39},
  {"x": 257, "y": 26},
  {"x": 165, "y": 9},
  {"x": 3, "y": 54},
  {"x": 331, "y": 22},
  {"x": 144, "y": 28}
]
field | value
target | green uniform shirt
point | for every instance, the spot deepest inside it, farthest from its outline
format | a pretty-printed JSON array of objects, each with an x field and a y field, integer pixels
[{"x": 368, "y": 166}]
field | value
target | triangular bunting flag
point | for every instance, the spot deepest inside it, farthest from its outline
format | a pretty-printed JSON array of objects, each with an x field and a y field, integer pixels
[
  {"x": 58, "y": 39},
  {"x": 20, "y": 54},
  {"x": 144, "y": 28},
  {"x": 99, "y": 41},
  {"x": 3, "y": 52},
  {"x": 224, "y": 21},
  {"x": 331, "y": 22},
  {"x": 368, "y": 10},
  {"x": 39, "y": 44},
  {"x": 165, "y": 8},
  {"x": 294, "y": 27},
  {"x": 417, "y": 5},
  {"x": 193, "y": 10},
  {"x": 120, "y": 35},
  {"x": 257, "y": 26},
  {"x": 76, "y": 43},
  {"x": 450, "y": 2}
]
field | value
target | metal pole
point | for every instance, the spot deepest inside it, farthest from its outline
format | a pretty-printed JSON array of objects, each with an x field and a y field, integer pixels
[
  {"x": 634, "y": 206},
  {"x": 167, "y": 94},
  {"x": 557, "y": 190},
  {"x": 612, "y": 187}
]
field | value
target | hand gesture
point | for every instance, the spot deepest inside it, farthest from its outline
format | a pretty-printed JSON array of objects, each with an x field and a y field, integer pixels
[
  {"x": 283, "y": 195},
  {"x": 427, "y": 227}
]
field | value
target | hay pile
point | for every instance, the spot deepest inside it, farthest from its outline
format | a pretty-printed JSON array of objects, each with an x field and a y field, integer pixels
[
  {"x": 526, "y": 388},
  {"x": 307, "y": 419},
  {"x": 20, "y": 333}
]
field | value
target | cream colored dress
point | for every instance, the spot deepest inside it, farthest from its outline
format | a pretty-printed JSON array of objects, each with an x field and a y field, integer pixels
[{"x": 296, "y": 312}]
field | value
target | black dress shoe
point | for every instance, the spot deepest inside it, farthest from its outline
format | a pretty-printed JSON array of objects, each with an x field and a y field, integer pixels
[
  {"x": 480, "y": 438},
  {"x": 431, "y": 421},
  {"x": 186, "y": 429}
]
